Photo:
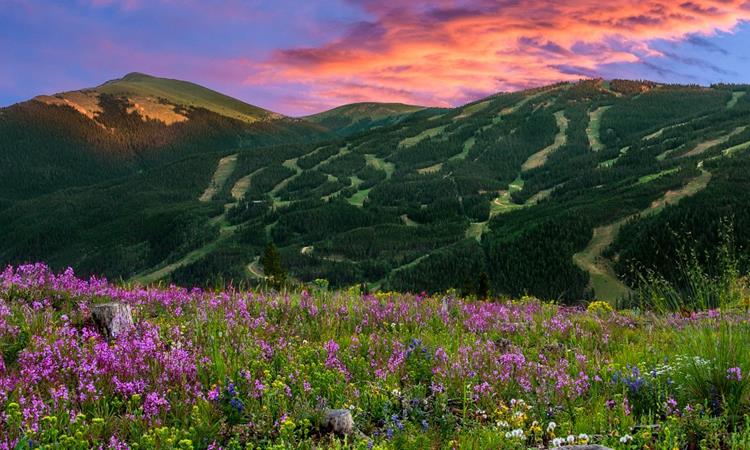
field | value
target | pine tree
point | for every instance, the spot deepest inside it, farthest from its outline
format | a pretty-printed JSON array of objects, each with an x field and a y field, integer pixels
[
  {"x": 271, "y": 261},
  {"x": 483, "y": 290}
]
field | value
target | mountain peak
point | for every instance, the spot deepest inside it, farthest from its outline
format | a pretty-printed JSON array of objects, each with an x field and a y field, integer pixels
[
  {"x": 354, "y": 117},
  {"x": 135, "y": 76},
  {"x": 159, "y": 98}
]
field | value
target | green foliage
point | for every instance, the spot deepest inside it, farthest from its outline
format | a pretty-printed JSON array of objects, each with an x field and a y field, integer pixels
[
  {"x": 716, "y": 368},
  {"x": 271, "y": 261},
  {"x": 389, "y": 196},
  {"x": 223, "y": 267}
]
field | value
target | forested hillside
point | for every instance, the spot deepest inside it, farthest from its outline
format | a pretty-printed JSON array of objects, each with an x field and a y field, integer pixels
[{"x": 565, "y": 192}]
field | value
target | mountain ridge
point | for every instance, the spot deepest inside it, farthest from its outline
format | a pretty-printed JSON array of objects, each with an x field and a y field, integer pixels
[{"x": 530, "y": 188}]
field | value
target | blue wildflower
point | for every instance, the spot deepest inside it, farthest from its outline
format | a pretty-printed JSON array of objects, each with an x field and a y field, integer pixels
[{"x": 237, "y": 404}]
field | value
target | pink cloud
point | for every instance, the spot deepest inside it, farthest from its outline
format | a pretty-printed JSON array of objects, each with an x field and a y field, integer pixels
[{"x": 430, "y": 52}]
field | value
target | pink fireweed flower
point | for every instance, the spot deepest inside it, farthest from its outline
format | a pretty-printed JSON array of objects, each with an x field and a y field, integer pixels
[
  {"x": 154, "y": 405},
  {"x": 258, "y": 389},
  {"x": 398, "y": 356},
  {"x": 116, "y": 444},
  {"x": 332, "y": 360},
  {"x": 482, "y": 390},
  {"x": 581, "y": 385}
]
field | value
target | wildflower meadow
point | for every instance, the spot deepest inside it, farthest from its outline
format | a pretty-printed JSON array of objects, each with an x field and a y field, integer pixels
[{"x": 241, "y": 369}]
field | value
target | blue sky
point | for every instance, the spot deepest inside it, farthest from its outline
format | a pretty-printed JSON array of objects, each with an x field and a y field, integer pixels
[{"x": 298, "y": 57}]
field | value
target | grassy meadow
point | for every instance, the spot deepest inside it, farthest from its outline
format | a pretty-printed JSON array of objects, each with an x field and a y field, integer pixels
[{"x": 238, "y": 369}]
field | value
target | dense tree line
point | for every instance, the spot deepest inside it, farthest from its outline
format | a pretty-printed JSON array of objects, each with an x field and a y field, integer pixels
[
  {"x": 694, "y": 226},
  {"x": 408, "y": 227}
]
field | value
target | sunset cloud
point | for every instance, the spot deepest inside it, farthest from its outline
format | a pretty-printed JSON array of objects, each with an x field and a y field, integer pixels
[
  {"x": 441, "y": 50},
  {"x": 301, "y": 57}
]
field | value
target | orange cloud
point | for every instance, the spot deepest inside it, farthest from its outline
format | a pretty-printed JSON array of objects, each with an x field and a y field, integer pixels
[{"x": 445, "y": 52}]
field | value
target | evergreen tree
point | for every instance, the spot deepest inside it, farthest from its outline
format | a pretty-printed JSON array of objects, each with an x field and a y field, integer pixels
[
  {"x": 272, "y": 265},
  {"x": 483, "y": 289}
]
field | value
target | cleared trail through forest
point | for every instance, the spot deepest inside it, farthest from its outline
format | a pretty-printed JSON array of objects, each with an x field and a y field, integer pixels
[
  {"x": 605, "y": 283},
  {"x": 254, "y": 269},
  {"x": 736, "y": 96},
  {"x": 594, "y": 126},
  {"x": 242, "y": 185},
  {"x": 703, "y": 146},
  {"x": 539, "y": 158},
  {"x": 223, "y": 172}
]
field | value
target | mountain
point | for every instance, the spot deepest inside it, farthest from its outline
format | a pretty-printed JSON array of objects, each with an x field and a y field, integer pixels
[
  {"x": 567, "y": 192},
  {"x": 161, "y": 99},
  {"x": 123, "y": 126},
  {"x": 355, "y": 117}
]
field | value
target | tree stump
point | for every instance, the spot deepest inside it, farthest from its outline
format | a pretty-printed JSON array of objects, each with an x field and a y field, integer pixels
[
  {"x": 112, "y": 319},
  {"x": 339, "y": 421}
]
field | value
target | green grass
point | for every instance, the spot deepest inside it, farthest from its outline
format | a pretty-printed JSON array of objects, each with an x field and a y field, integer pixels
[
  {"x": 731, "y": 151},
  {"x": 162, "y": 272},
  {"x": 523, "y": 102},
  {"x": 651, "y": 177},
  {"x": 517, "y": 184},
  {"x": 365, "y": 110},
  {"x": 472, "y": 109},
  {"x": 503, "y": 204},
  {"x": 358, "y": 199},
  {"x": 604, "y": 281},
  {"x": 430, "y": 169},
  {"x": 290, "y": 164},
  {"x": 538, "y": 159},
  {"x": 736, "y": 96},
  {"x": 223, "y": 171},
  {"x": 468, "y": 145},
  {"x": 242, "y": 185},
  {"x": 703, "y": 146},
  {"x": 414, "y": 140},
  {"x": 476, "y": 230},
  {"x": 185, "y": 93},
  {"x": 381, "y": 164},
  {"x": 415, "y": 371},
  {"x": 593, "y": 130},
  {"x": 407, "y": 221}
]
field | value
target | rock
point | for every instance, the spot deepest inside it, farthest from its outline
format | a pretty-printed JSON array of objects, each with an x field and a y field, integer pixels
[
  {"x": 112, "y": 319},
  {"x": 339, "y": 421},
  {"x": 582, "y": 447}
]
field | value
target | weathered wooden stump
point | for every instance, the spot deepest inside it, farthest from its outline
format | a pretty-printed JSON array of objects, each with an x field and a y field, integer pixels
[
  {"x": 339, "y": 421},
  {"x": 112, "y": 319}
]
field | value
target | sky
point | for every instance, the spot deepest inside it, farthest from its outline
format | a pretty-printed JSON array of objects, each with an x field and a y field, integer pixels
[{"x": 298, "y": 57}]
